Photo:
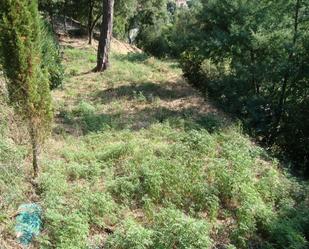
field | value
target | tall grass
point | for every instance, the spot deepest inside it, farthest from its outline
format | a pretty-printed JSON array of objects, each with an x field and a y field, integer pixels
[{"x": 128, "y": 167}]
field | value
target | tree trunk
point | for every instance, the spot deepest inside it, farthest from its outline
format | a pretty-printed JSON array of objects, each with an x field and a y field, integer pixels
[
  {"x": 51, "y": 16},
  {"x": 64, "y": 17},
  {"x": 286, "y": 76},
  {"x": 105, "y": 36},
  {"x": 285, "y": 81},
  {"x": 35, "y": 150},
  {"x": 91, "y": 29},
  {"x": 282, "y": 98},
  {"x": 90, "y": 21},
  {"x": 255, "y": 84}
]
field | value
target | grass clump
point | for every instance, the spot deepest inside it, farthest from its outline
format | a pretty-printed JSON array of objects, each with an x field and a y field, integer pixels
[
  {"x": 130, "y": 235},
  {"x": 176, "y": 230},
  {"x": 170, "y": 229},
  {"x": 74, "y": 203}
]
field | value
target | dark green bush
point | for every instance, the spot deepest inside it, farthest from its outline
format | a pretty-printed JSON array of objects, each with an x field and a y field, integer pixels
[
  {"x": 289, "y": 230},
  {"x": 211, "y": 122},
  {"x": 52, "y": 60},
  {"x": 153, "y": 40},
  {"x": 191, "y": 63},
  {"x": 253, "y": 60}
]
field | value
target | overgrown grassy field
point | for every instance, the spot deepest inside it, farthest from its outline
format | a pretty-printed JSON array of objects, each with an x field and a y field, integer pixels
[{"x": 137, "y": 159}]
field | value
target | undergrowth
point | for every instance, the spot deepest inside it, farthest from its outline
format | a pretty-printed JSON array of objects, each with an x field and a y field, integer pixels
[
  {"x": 134, "y": 163},
  {"x": 13, "y": 186},
  {"x": 187, "y": 187}
]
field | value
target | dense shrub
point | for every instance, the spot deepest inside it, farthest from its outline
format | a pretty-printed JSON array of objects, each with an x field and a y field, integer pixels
[
  {"x": 130, "y": 235},
  {"x": 171, "y": 36},
  {"x": 173, "y": 229},
  {"x": 182, "y": 182},
  {"x": 152, "y": 40},
  {"x": 191, "y": 65},
  {"x": 289, "y": 230},
  {"x": 256, "y": 71},
  {"x": 170, "y": 229},
  {"x": 51, "y": 60}
]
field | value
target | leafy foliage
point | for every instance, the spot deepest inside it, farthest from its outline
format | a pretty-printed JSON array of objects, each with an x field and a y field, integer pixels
[
  {"x": 252, "y": 58},
  {"x": 131, "y": 235},
  {"x": 171, "y": 229},
  {"x": 175, "y": 182},
  {"x": 125, "y": 170},
  {"x": 174, "y": 229},
  {"x": 28, "y": 85},
  {"x": 51, "y": 58}
]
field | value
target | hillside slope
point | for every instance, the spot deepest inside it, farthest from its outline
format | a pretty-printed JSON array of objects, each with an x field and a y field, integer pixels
[
  {"x": 14, "y": 169},
  {"x": 138, "y": 159}
]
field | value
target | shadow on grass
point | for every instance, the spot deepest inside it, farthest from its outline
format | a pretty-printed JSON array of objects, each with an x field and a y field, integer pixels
[
  {"x": 135, "y": 57},
  {"x": 67, "y": 46},
  {"x": 289, "y": 230},
  {"x": 86, "y": 72},
  {"x": 187, "y": 118},
  {"x": 146, "y": 90},
  {"x": 132, "y": 57}
]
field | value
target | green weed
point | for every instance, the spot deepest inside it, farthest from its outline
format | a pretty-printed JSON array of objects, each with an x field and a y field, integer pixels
[{"x": 160, "y": 177}]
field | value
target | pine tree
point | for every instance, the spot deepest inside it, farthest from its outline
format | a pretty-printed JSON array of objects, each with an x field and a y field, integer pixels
[{"x": 27, "y": 82}]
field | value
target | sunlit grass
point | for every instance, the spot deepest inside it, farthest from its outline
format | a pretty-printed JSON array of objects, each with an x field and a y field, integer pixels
[{"x": 138, "y": 159}]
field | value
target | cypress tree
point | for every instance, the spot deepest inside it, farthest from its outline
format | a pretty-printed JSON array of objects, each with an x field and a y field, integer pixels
[{"x": 27, "y": 81}]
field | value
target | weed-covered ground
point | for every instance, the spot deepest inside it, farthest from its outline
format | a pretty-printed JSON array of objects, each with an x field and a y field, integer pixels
[{"x": 139, "y": 160}]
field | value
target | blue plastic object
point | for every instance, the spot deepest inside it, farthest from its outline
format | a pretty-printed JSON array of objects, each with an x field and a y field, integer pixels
[{"x": 28, "y": 223}]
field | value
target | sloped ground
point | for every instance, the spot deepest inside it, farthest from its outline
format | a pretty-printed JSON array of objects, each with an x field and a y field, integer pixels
[
  {"x": 14, "y": 170},
  {"x": 138, "y": 159},
  {"x": 142, "y": 88},
  {"x": 116, "y": 45}
]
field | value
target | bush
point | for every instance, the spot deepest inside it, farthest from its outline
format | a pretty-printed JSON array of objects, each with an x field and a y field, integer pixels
[
  {"x": 173, "y": 229},
  {"x": 153, "y": 40},
  {"x": 211, "y": 122},
  {"x": 130, "y": 235},
  {"x": 289, "y": 230},
  {"x": 51, "y": 60},
  {"x": 191, "y": 63},
  {"x": 261, "y": 76},
  {"x": 68, "y": 231},
  {"x": 170, "y": 229}
]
